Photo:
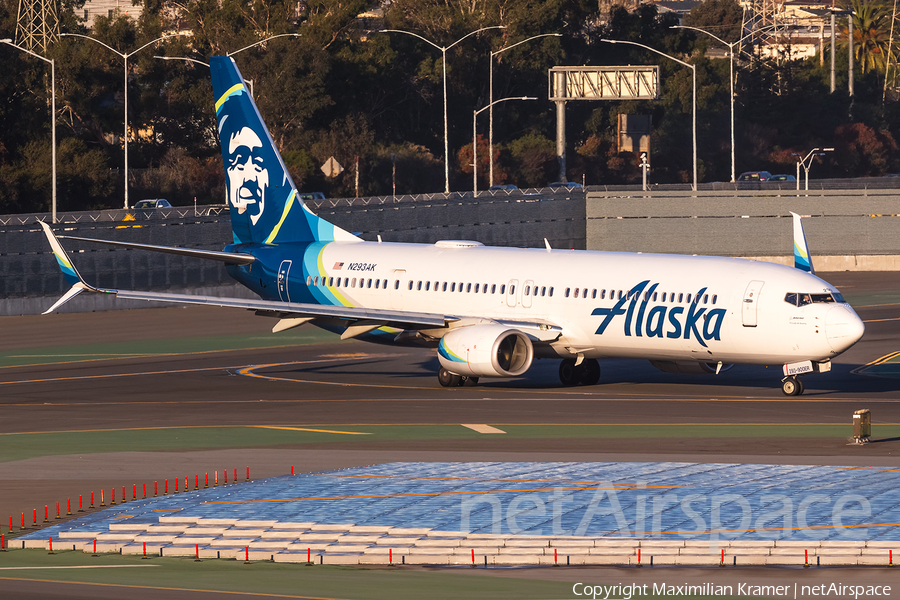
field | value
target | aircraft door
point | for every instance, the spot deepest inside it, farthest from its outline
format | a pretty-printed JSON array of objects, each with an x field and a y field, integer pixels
[
  {"x": 283, "y": 272},
  {"x": 527, "y": 293},
  {"x": 511, "y": 289},
  {"x": 750, "y": 303},
  {"x": 397, "y": 284}
]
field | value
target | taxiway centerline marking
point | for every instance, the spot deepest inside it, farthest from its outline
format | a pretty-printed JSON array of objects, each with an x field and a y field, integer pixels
[{"x": 314, "y": 430}]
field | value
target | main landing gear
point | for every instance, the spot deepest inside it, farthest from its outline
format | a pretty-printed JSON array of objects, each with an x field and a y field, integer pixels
[
  {"x": 587, "y": 373},
  {"x": 791, "y": 386},
  {"x": 448, "y": 379}
]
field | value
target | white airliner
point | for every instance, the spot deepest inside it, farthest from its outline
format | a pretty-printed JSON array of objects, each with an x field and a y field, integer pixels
[{"x": 492, "y": 311}]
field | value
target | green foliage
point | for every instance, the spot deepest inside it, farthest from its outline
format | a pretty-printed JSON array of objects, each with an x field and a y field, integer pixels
[
  {"x": 343, "y": 89},
  {"x": 535, "y": 157}
]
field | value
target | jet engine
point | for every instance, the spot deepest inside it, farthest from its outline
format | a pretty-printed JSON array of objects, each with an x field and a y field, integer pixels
[
  {"x": 688, "y": 367},
  {"x": 490, "y": 350}
]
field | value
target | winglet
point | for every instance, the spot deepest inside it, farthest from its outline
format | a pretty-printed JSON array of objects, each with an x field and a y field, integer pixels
[
  {"x": 70, "y": 273},
  {"x": 802, "y": 259}
]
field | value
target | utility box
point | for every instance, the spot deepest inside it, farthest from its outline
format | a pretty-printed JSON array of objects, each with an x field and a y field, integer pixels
[{"x": 862, "y": 426}]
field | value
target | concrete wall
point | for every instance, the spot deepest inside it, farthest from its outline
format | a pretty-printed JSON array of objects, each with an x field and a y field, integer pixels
[
  {"x": 845, "y": 230},
  {"x": 30, "y": 280}
]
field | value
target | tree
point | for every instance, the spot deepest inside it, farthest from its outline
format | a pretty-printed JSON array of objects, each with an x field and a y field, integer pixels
[
  {"x": 871, "y": 29},
  {"x": 722, "y": 18}
]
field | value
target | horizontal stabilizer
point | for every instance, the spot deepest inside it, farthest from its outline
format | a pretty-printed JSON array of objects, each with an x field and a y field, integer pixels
[{"x": 233, "y": 258}]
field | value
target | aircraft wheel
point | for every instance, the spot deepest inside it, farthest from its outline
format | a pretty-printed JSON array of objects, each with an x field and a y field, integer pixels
[
  {"x": 791, "y": 387},
  {"x": 446, "y": 378},
  {"x": 569, "y": 374},
  {"x": 591, "y": 373},
  {"x": 469, "y": 381}
]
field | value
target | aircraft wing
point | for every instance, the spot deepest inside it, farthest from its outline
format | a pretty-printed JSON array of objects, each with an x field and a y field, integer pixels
[{"x": 294, "y": 309}]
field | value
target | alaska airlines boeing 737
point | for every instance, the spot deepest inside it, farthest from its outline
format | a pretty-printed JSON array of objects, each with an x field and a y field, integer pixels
[{"x": 492, "y": 311}]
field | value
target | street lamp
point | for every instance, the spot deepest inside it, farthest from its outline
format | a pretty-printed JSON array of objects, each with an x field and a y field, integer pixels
[
  {"x": 443, "y": 50},
  {"x": 731, "y": 46},
  {"x": 802, "y": 162},
  {"x": 694, "y": 69},
  {"x": 475, "y": 140},
  {"x": 125, "y": 58},
  {"x": 491, "y": 97},
  {"x": 52, "y": 62},
  {"x": 262, "y": 42}
]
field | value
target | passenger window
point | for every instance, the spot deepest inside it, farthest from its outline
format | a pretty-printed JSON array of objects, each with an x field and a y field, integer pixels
[
  {"x": 603, "y": 294},
  {"x": 369, "y": 284},
  {"x": 444, "y": 289},
  {"x": 476, "y": 288},
  {"x": 705, "y": 298},
  {"x": 688, "y": 298},
  {"x": 308, "y": 280},
  {"x": 453, "y": 287},
  {"x": 527, "y": 290},
  {"x": 353, "y": 282},
  {"x": 316, "y": 280},
  {"x": 593, "y": 294},
  {"x": 714, "y": 298},
  {"x": 512, "y": 289},
  {"x": 397, "y": 285},
  {"x": 337, "y": 282},
  {"x": 544, "y": 290},
  {"x": 484, "y": 288},
  {"x": 346, "y": 281},
  {"x": 384, "y": 284},
  {"x": 576, "y": 292},
  {"x": 436, "y": 285},
  {"x": 427, "y": 285},
  {"x": 567, "y": 292},
  {"x": 494, "y": 288},
  {"x": 503, "y": 288},
  {"x": 410, "y": 284},
  {"x": 468, "y": 287},
  {"x": 680, "y": 298},
  {"x": 654, "y": 296},
  {"x": 377, "y": 281},
  {"x": 419, "y": 286},
  {"x": 551, "y": 292}
]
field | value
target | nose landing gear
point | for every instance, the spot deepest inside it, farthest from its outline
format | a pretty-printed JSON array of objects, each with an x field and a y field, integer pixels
[{"x": 791, "y": 386}]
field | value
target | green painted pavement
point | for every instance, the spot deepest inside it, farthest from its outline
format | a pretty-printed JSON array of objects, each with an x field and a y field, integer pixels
[
  {"x": 20, "y": 446},
  {"x": 291, "y": 580},
  {"x": 145, "y": 348}
]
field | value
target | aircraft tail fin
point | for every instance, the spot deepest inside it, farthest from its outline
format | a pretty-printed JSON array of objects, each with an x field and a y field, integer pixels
[
  {"x": 802, "y": 259},
  {"x": 265, "y": 206}
]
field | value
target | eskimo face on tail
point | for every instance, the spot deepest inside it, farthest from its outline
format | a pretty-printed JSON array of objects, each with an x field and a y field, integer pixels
[
  {"x": 248, "y": 162},
  {"x": 248, "y": 177}
]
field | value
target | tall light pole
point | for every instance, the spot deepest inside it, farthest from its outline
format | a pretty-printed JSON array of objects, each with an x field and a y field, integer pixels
[
  {"x": 125, "y": 56},
  {"x": 694, "y": 70},
  {"x": 809, "y": 157},
  {"x": 52, "y": 62},
  {"x": 491, "y": 98},
  {"x": 731, "y": 46},
  {"x": 443, "y": 50},
  {"x": 475, "y": 139}
]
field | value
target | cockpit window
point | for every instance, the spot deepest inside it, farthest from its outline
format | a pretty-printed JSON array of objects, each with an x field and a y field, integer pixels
[{"x": 802, "y": 299}]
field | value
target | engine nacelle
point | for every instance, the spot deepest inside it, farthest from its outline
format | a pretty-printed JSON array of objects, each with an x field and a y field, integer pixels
[
  {"x": 688, "y": 367},
  {"x": 489, "y": 350}
]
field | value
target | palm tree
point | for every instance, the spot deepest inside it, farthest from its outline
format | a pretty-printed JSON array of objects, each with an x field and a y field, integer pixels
[{"x": 871, "y": 32}]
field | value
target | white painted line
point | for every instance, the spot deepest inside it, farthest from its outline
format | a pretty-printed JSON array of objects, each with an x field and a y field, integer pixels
[{"x": 483, "y": 428}]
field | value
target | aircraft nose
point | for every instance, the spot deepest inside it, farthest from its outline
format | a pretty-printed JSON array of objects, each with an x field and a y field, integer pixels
[{"x": 843, "y": 328}]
